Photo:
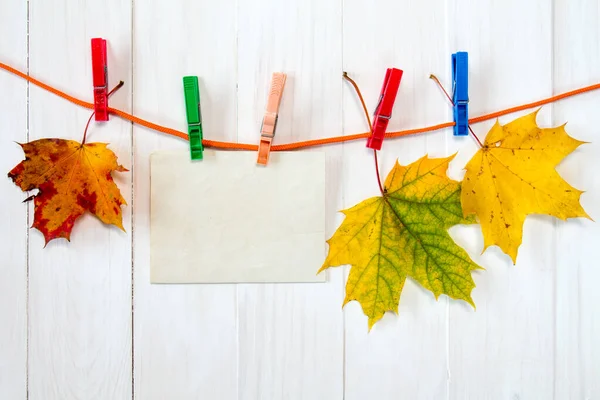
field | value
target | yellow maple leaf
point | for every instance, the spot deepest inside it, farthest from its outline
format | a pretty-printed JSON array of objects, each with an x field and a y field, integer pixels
[
  {"x": 72, "y": 178},
  {"x": 404, "y": 234},
  {"x": 514, "y": 175}
]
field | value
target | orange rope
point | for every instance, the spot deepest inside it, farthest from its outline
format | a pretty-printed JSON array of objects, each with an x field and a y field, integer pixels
[{"x": 296, "y": 145}]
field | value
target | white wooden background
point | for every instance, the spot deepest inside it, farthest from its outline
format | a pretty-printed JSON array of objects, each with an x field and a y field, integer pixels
[{"x": 80, "y": 320}]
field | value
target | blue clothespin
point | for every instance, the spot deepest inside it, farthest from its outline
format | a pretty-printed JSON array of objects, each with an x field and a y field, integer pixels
[{"x": 460, "y": 90}]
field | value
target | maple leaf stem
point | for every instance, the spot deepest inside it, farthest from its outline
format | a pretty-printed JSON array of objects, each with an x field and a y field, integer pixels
[
  {"x": 119, "y": 86},
  {"x": 364, "y": 106},
  {"x": 437, "y": 81},
  {"x": 86, "y": 128},
  {"x": 441, "y": 87},
  {"x": 475, "y": 136},
  {"x": 362, "y": 100},
  {"x": 377, "y": 171}
]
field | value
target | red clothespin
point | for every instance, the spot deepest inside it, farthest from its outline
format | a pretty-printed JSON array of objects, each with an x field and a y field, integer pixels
[
  {"x": 100, "y": 75},
  {"x": 383, "y": 112},
  {"x": 267, "y": 130}
]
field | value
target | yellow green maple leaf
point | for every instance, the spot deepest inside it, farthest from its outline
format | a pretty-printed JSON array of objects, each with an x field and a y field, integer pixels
[
  {"x": 404, "y": 234},
  {"x": 513, "y": 175}
]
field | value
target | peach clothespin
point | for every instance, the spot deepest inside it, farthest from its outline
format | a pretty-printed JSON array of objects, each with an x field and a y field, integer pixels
[{"x": 269, "y": 123}]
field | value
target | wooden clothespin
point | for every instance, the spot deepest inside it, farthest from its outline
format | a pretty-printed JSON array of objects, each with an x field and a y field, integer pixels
[
  {"x": 194, "y": 116},
  {"x": 100, "y": 78},
  {"x": 383, "y": 111},
  {"x": 269, "y": 123},
  {"x": 460, "y": 92}
]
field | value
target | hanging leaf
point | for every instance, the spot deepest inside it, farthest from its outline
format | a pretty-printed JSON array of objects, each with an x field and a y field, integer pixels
[
  {"x": 404, "y": 234},
  {"x": 72, "y": 178},
  {"x": 513, "y": 176}
]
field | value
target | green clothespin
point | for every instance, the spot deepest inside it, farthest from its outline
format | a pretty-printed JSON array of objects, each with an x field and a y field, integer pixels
[{"x": 194, "y": 116}]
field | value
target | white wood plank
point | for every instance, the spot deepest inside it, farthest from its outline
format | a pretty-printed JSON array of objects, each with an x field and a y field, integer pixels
[
  {"x": 13, "y": 229},
  {"x": 535, "y": 330},
  {"x": 185, "y": 335},
  {"x": 291, "y": 335},
  {"x": 405, "y": 354},
  {"x": 80, "y": 292},
  {"x": 576, "y": 64},
  {"x": 505, "y": 349}
]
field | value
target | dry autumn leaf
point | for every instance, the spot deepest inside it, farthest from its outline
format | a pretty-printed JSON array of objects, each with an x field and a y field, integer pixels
[
  {"x": 513, "y": 175},
  {"x": 72, "y": 178},
  {"x": 404, "y": 234}
]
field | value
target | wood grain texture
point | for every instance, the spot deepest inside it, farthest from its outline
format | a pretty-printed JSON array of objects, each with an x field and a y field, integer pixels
[
  {"x": 185, "y": 336},
  {"x": 534, "y": 333},
  {"x": 13, "y": 228},
  {"x": 404, "y": 354},
  {"x": 510, "y": 57},
  {"x": 577, "y": 316},
  {"x": 290, "y": 335},
  {"x": 80, "y": 292}
]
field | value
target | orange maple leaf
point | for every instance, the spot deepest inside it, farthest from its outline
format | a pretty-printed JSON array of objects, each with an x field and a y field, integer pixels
[{"x": 72, "y": 178}]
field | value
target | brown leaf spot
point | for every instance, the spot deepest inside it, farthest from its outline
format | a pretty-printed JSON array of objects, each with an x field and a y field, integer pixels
[
  {"x": 47, "y": 191},
  {"x": 54, "y": 157},
  {"x": 87, "y": 200}
]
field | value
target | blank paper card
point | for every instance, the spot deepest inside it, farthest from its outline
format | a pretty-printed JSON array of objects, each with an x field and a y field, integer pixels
[{"x": 226, "y": 219}]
